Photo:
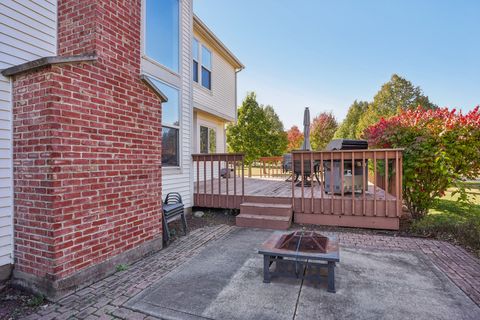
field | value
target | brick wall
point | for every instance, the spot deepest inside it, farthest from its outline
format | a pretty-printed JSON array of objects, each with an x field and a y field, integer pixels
[{"x": 87, "y": 147}]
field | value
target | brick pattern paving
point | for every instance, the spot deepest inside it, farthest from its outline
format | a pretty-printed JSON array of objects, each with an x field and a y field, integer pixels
[{"x": 104, "y": 299}]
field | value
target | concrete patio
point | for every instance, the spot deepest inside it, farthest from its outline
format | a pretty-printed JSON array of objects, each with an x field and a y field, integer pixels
[
  {"x": 215, "y": 273},
  {"x": 225, "y": 282}
]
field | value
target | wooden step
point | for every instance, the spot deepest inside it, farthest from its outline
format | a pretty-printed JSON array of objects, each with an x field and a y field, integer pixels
[
  {"x": 263, "y": 221},
  {"x": 270, "y": 209}
]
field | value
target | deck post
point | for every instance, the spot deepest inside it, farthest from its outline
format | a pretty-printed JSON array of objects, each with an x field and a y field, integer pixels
[
  {"x": 227, "y": 175},
  {"x": 198, "y": 181},
  {"x": 243, "y": 178},
  {"x": 235, "y": 181},
  {"x": 312, "y": 175},
  {"x": 302, "y": 175},
  {"x": 293, "y": 182},
  {"x": 364, "y": 188},
  {"x": 342, "y": 177},
  {"x": 386, "y": 183},
  {"x": 353, "y": 183}
]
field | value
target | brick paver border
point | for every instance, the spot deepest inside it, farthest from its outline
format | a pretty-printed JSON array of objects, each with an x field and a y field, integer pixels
[{"x": 104, "y": 299}]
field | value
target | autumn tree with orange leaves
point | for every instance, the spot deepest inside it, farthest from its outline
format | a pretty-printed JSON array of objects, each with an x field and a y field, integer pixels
[{"x": 295, "y": 138}]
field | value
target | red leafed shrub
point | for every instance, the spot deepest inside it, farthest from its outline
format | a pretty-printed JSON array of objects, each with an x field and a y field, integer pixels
[{"x": 442, "y": 147}]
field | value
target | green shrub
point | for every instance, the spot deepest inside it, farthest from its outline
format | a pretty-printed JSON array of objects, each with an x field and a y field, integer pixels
[{"x": 441, "y": 148}]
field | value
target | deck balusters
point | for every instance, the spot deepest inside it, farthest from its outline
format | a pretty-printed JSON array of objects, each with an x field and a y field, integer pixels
[{"x": 381, "y": 197}]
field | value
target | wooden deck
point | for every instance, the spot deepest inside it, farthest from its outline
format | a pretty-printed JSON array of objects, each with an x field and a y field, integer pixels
[{"x": 372, "y": 209}]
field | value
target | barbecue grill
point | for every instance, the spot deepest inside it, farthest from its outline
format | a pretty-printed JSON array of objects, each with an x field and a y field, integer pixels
[{"x": 355, "y": 179}]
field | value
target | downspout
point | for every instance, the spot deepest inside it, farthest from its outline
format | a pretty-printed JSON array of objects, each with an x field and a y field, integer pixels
[{"x": 236, "y": 104}]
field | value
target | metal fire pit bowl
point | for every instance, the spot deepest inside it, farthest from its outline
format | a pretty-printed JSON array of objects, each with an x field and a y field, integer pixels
[{"x": 300, "y": 254}]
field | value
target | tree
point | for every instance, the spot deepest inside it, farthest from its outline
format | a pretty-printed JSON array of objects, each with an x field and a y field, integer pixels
[
  {"x": 441, "y": 148},
  {"x": 277, "y": 137},
  {"x": 396, "y": 95},
  {"x": 295, "y": 138},
  {"x": 348, "y": 127},
  {"x": 322, "y": 129},
  {"x": 258, "y": 131}
]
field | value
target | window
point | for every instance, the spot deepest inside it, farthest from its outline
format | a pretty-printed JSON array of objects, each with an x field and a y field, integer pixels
[
  {"x": 162, "y": 32},
  {"x": 195, "y": 59},
  {"x": 170, "y": 125},
  {"x": 206, "y": 68},
  {"x": 208, "y": 140}
]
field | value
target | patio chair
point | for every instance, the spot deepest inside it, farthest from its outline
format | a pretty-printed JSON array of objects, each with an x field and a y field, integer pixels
[
  {"x": 307, "y": 171},
  {"x": 173, "y": 209}
]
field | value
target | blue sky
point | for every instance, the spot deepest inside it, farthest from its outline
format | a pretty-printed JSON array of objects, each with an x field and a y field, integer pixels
[{"x": 326, "y": 54}]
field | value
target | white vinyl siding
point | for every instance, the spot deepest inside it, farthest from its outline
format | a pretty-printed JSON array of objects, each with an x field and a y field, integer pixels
[
  {"x": 179, "y": 179},
  {"x": 220, "y": 100},
  {"x": 28, "y": 31}
]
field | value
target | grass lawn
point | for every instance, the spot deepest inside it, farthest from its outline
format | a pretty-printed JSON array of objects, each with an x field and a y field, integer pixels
[{"x": 454, "y": 221}]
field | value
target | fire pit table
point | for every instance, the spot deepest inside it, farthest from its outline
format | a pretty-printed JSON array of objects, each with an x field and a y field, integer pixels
[{"x": 300, "y": 254}]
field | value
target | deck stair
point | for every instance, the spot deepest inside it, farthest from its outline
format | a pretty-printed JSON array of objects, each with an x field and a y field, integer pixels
[{"x": 265, "y": 215}]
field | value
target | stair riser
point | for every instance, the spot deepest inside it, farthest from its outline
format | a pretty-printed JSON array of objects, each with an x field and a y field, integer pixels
[
  {"x": 259, "y": 199},
  {"x": 262, "y": 223},
  {"x": 284, "y": 212}
]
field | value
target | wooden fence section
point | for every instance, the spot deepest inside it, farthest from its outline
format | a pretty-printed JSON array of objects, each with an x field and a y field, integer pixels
[
  {"x": 214, "y": 172},
  {"x": 334, "y": 188}
]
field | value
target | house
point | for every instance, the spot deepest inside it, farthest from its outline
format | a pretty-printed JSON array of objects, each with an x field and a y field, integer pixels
[{"x": 102, "y": 104}]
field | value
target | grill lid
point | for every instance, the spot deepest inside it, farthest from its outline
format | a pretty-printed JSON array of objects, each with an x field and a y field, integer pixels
[{"x": 345, "y": 144}]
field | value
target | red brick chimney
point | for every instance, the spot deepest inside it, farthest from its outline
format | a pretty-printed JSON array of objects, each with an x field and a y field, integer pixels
[{"x": 87, "y": 149}]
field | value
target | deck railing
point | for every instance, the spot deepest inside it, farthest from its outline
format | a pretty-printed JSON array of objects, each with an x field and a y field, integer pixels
[
  {"x": 353, "y": 182},
  {"x": 268, "y": 168},
  {"x": 357, "y": 188},
  {"x": 210, "y": 169}
]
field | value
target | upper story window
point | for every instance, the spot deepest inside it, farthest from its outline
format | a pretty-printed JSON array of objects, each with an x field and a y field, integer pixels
[
  {"x": 208, "y": 140},
  {"x": 195, "y": 47},
  {"x": 170, "y": 125},
  {"x": 206, "y": 68},
  {"x": 162, "y": 32}
]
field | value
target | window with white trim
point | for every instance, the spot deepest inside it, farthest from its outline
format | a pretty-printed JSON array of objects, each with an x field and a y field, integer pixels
[
  {"x": 208, "y": 140},
  {"x": 170, "y": 125},
  {"x": 206, "y": 68},
  {"x": 162, "y": 32},
  {"x": 195, "y": 48}
]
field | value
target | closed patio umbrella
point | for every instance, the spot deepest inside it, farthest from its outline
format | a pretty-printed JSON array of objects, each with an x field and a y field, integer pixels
[{"x": 306, "y": 130}]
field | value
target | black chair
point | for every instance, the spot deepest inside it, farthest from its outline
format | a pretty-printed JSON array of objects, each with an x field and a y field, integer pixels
[
  {"x": 306, "y": 171},
  {"x": 173, "y": 209}
]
